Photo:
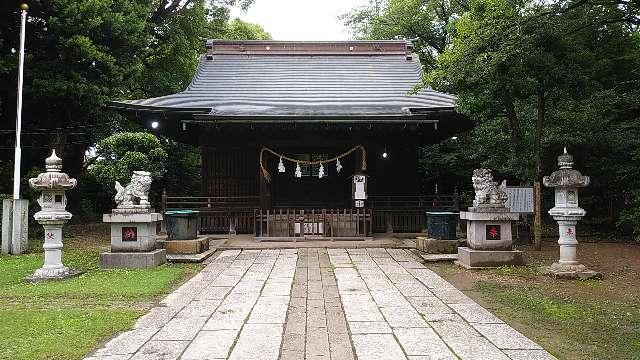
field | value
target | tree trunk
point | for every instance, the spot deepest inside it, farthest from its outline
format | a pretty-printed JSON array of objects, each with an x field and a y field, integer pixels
[
  {"x": 537, "y": 223},
  {"x": 513, "y": 126}
]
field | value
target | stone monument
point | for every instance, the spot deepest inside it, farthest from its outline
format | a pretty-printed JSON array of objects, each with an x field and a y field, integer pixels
[
  {"x": 53, "y": 215},
  {"x": 134, "y": 226},
  {"x": 489, "y": 237},
  {"x": 567, "y": 213}
]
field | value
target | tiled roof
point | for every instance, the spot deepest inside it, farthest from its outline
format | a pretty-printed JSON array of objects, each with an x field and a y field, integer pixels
[{"x": 304, "y": 79}]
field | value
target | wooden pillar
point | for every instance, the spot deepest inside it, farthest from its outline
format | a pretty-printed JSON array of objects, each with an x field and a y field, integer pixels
[{"x": 388, "y": 222}]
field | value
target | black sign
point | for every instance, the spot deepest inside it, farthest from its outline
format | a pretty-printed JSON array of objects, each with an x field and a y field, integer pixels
[
  {"x": 493, "y": 232},
  {"x": 130, "y": 233}
]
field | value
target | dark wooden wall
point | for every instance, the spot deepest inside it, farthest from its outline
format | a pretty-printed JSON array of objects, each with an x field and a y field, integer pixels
[{"x": 230, "y": 171}]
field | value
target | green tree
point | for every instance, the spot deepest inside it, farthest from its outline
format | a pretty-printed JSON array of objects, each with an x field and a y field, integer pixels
[
  {"x": 539, "y": 68},
  {"x": 83, "y": 53},
  {"x": 120, "y": 154},
  {"x": 427, "y": 22},
  {"x": 533, "y": 76},
  {"x": 242, "y": 30}
]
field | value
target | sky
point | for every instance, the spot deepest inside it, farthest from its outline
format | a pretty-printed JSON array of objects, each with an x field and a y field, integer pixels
[{"x": 301, "y": 19}]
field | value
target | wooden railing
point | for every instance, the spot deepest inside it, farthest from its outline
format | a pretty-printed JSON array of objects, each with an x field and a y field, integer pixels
[
  {"x": 299, "y": 224},
  {"x": 219, "y": 215},
  {"x": 406, "y": 214},
  {"x": 421, "y": 202},
  {"x": 242, "y": 214}
]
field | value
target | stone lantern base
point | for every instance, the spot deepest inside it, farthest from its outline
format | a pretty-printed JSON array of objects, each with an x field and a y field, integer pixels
[
  {"x": 565, "y": 271},
  {"x": 44, "y": 274},
  {"x": 53, "y": 269}
]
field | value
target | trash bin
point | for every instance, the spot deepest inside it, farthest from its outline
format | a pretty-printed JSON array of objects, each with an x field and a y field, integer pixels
[
  {"x": 442, "y": 224},
  {"x": 182, "y": 224}
]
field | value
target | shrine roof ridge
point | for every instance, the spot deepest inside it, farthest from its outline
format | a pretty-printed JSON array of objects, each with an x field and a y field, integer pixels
[
  {"x": 287, "y": 47},
  {"x": 243, "y": 78}
]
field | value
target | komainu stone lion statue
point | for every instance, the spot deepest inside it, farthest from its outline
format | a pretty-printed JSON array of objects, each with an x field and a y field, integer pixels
[
  {"x": 136, "y": 194},
  {"x": 488, "y": 192}
]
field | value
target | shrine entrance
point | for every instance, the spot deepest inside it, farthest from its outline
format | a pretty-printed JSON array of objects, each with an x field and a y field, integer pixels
[
  {"x": 311, "y": 195},
  {"x": 306, "y": 188}
]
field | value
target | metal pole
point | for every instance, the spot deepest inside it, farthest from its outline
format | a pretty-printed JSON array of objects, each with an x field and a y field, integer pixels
[
  {"x": 16, "y": 216},
  {"x": 17, "y": 154}
]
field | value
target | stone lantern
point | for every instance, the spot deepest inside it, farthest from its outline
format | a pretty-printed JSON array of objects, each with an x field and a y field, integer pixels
[
  {"x": 53, "y": 215},
  {"x": 567, "y": 213}
]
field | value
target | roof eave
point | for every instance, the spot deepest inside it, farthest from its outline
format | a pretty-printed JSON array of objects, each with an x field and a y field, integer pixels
[{"x": 312, "y": 118}]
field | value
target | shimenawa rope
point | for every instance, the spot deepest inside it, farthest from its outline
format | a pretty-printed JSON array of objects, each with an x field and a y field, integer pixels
[{"x": 267, "y": 176}]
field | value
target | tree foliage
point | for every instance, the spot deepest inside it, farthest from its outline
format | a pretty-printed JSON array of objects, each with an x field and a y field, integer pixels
[
  {"x": 242, "y": 30},
  {"x": 82, "y": 53},
  {"x": 425, "y": 22},
  {"x": 534, "y": 76},
  {"x": 120, "y": 154}
]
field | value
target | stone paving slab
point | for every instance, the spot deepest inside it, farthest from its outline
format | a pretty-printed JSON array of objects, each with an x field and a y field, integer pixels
[{"x": 320, "y": 304}]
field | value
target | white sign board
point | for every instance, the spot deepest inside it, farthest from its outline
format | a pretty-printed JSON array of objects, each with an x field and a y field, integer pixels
[
  {"x": 360, "y": 192},
  {"x": 310, "y": 228},
  {"x": 520, "y": 199}
]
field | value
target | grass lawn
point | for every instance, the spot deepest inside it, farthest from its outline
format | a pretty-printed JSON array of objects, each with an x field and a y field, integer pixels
[
  {"x": 571, "y": 319},
  {"x": 67, "y": 319}
]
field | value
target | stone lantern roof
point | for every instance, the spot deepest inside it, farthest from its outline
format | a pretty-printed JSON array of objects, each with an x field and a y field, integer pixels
[
  {"x": 53, "y": 163},
  {"x": 566, "y": 176},
  {"x": 54, "y": 178}
]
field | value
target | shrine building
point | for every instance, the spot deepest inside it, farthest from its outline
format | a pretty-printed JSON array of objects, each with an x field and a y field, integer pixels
[{"x": 307, "y": 139}]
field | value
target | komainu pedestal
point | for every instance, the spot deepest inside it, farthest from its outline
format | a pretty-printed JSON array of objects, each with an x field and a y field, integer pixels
[
  {"x": 489, "y": 239},
  {"x": 134, "y": 227}
]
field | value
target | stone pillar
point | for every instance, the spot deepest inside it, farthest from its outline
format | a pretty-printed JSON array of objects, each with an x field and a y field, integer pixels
[
  {"x": 53, "y": 267},
  {"x": 567, "y": 241},
  {"x": 52, "y": 216},
  {"x": 21, "y": 231},
  {"x": 567, "y": 213}
]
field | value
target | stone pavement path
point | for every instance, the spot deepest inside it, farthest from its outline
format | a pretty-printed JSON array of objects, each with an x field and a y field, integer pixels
[{"x": 328, "y": 304}]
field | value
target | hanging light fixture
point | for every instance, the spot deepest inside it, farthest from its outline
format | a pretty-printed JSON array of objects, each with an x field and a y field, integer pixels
[
  {"x": 298, "y": 172},
  {"x": 338, "y": 165},
  {"x": 321, "y": 171},
  {"x": 281, "y": 165}
]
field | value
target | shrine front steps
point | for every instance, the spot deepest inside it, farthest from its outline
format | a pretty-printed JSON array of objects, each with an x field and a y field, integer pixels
[{"x": 193, "y": 251}]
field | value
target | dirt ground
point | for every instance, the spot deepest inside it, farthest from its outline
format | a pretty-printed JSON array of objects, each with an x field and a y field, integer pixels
[
  {"x": 606, "y": 312},
  {"x": 87, "y": 235},
  {"x": 619, "y": 264}
]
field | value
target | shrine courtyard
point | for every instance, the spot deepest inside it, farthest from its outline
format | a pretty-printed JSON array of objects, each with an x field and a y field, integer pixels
[{"x": 329, "y": 303}]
